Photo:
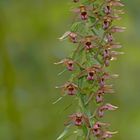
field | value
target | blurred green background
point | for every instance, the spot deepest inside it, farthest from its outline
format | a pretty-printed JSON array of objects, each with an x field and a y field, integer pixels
[{"x": 29, "y": 32}]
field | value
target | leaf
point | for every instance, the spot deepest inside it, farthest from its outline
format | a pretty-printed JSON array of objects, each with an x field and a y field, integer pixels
[
  {"x": 67, "y": 107},
  {"x": 63, "y": 134},
  {"x": 92, "y": 19},
  {"x": 79, "y": 138},
  {"x": 85, "y": 130},
  {"x": 60, "y": 73},
  {"x": 77, "y": 26},
  {"x": 59, "y": 99}
]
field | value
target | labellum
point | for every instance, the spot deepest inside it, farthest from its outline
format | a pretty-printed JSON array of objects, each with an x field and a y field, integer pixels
[
  {"x": 83, "y": 12},
  {"x": 70, "y": 65},
  {"x": 99, "y": 97},
  {"x": 88, "y": 42},
  {"x": 91, "y": 75},
  {"x": 106, "y": 24}
]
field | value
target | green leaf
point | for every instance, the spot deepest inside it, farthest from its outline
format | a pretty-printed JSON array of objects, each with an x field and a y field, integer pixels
[
  {"x": 75, "y": 26},
  {"x": 85, "y": 130},
  {"x": 63, "y": 134},
  {"x": 92, "y": 19},
  {"x": 57, "y": 100},
  {"x": 79, "y": 138}
]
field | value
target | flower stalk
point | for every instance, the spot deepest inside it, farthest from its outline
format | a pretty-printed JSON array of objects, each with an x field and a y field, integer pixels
[{"x": 92, "y": 34}]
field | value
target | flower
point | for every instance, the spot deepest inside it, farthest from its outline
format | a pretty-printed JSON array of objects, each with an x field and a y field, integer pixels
[
  {"x": 99, "y": 97},
  {"x": 97, "y": 128},
  {"x": 73, "y": 37},
  {"x": 69, "y": 88},
  {"x": 88, "y": 42},
  {"x": 79, "y": 119},
  {"x": 68, "y": 63},
  {"x": 109, "y": 37},
  {"x": 91, "y": 75},
  {"x": 104, "y": 108},
  {"x": 92, "y": 72},
  {"x": 106, "y": 24}
]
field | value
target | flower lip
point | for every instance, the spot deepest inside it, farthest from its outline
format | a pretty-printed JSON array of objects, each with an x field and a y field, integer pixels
[
  {"x": 83, "y": 12},
  {"x": 84, "y": 15},
  {"x": 91, "y": 75},
  {"x": 99, "y": 97},
  {"x": 88, "y": 45},
  {"x": 70, "y": 65},
  {"x": 106, "y": 24}
]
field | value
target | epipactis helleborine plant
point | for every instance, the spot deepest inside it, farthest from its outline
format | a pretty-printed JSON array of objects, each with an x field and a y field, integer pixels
[{"x": 92, "y": 35}]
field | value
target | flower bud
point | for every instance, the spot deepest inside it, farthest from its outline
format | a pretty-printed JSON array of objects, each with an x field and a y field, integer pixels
[{"x": 73, "y": 37}]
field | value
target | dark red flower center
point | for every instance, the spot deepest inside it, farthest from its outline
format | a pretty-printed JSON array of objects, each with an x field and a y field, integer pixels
[
  {"x": 70, "y": 88},
  {"x": 88, "y": 43},
  {"x": 91, "y": 74}
]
